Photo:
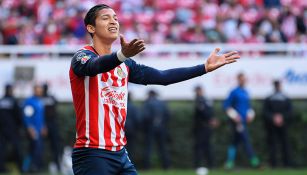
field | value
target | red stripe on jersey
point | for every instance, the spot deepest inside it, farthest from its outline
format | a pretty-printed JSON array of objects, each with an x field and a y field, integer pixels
[
  {"x": 78, "y": 94},
  {"x": 107, "y": 127},
  {"x": 117, "y": 126},
  {"x": 104, "y": 77},
  {"x": 93, "y": 112},
  {"x": 114, "y": 78},
  {"x": 124, "y": 115},
  {"x": 123, "y": 82}
]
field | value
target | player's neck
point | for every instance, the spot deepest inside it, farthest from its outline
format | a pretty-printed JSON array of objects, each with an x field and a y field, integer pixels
[{"x": 102, "y": 48}]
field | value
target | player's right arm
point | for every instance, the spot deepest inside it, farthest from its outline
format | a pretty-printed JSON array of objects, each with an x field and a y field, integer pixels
[
  {"x": 230, "y": 111},
  {"x": 87, "y": 63}
]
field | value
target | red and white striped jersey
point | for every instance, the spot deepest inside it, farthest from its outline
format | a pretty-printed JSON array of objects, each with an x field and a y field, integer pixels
[
  {"x": 100, "y": 99},
  {"x": 100, "y": 103}
]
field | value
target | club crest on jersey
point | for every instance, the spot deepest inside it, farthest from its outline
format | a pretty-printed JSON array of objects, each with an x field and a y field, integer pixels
[
  {"x": 83, "y": 58},
  {"x": 120, "y": 72}
]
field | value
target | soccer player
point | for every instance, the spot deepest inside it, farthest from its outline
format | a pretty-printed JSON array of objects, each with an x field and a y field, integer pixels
[
  {"x": 239, "y": 110},
  {"x": 99, "y": 80},
  {"x": 34, "y": 121}
]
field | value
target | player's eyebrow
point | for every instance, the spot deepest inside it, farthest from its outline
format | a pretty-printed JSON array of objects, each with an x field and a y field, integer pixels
[{"x": 108, "y": 15}]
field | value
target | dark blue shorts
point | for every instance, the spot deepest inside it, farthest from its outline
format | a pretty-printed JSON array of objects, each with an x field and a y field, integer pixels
[{"x": 91, "y": 161}]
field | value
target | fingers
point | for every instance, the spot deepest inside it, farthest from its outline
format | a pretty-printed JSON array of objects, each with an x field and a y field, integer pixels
[
  {"x": 141, "y": 49},
  {"x": 133, "y": 48},
  {"x": 230, "y": 61},
  {"x": 217, "y": 50},
  {"x": 233, "y": 57},
  {"x": 122, "y": 39},
  {"x": 139, "y": 43},
  {"x": 230, "y": 53},
  {"x": 133, "y": 42}
]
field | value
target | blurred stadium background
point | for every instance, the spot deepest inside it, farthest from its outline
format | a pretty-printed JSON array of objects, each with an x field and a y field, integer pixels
[{"x": 39, "y": 37}]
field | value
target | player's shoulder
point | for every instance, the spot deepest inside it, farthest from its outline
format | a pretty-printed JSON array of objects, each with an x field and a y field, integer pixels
[
  {"x": 84, "y": 54},
  {"x": 234, "y": 90},
  {"x": 28, "y": 100}
]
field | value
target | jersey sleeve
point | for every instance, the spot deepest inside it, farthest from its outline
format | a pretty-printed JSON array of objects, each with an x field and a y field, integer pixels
[
  {"x": 229, "y": 100},
  {"x": 86, "y": 63},
  {"x": 141, "y": 74},
  {"x": 28, "y": 113}
]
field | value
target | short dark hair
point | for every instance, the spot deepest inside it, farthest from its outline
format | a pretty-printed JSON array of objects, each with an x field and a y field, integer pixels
[
  {"x": 197, "y": 88},
  {"x": 152, "y": 93},
  {"x": 240, "y": 74},
  {"x": 91, "y": 15},
  {"x": 276, "y": 83},
  {"x": 8, "y": 89}
]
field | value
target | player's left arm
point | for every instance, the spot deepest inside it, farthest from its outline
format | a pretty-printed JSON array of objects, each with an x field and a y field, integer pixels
[
  {"x": 288, "y": 111},
  {"x": 251, "y": 114},
  {"x": 141, "y": 74}
]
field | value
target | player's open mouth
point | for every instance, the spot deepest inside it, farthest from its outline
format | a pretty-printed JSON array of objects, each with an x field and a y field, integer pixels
[{"x": 112, "y": 29}]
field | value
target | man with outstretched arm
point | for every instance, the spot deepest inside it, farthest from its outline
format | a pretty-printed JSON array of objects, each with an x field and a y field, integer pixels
[{"x": 99, "y": 81}]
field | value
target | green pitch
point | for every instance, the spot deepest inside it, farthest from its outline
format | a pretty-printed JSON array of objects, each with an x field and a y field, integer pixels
[
  {"x": 213, "y": 172},
  {"x": 234, "y": 172}
]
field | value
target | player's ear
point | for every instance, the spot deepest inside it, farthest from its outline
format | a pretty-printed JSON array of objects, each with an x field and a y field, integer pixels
[{"x": 90, "y": 29}]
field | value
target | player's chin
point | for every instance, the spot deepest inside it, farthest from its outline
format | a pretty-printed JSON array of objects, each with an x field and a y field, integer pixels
[{"x": 113, "y": 36}]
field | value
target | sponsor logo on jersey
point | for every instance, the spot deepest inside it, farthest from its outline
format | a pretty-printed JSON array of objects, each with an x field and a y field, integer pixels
[{"x": 113, "y": 97}]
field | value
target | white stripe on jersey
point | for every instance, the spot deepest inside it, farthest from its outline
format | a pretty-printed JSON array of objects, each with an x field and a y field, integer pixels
[
  {"x": 101, "y": 115},
  {"x": 113, "y": 128},
  {"x": 109, "y": 80},
  {"x": 87, "y": 117}
]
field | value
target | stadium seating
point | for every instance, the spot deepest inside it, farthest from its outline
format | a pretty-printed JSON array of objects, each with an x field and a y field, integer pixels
[{"x": 52, "y": 22}]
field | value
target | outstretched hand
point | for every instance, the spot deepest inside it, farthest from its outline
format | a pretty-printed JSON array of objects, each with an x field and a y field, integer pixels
[
  {"x": 215, "y": 61},
  {"x": 132, "y": 48}
]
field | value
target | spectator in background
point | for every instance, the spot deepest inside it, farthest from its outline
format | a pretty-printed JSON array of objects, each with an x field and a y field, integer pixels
[
  {"x": 34, "y": 120},
  {"x": 156, "y": 117},
  {"x": 10, "y": 125},
  {"x": 204, "y": 121},
  {"x": 277, "y": 111},
  {"x": 131, "y": 126},
  {"x": 50, "y": 104},
  {"x": 160, "y": 21},
  {"x": 271, "y": 3},
  {"x": 240, "y": 112}
]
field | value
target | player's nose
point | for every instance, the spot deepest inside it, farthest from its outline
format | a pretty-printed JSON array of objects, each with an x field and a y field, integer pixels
[{"x": 112, "y": 21}]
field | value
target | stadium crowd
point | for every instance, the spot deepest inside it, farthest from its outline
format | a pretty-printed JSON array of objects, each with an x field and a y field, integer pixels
[{"x": 50, "y": 22}]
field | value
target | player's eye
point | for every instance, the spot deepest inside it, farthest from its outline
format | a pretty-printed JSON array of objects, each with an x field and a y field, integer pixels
[{"x": 104, "y": 17}]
